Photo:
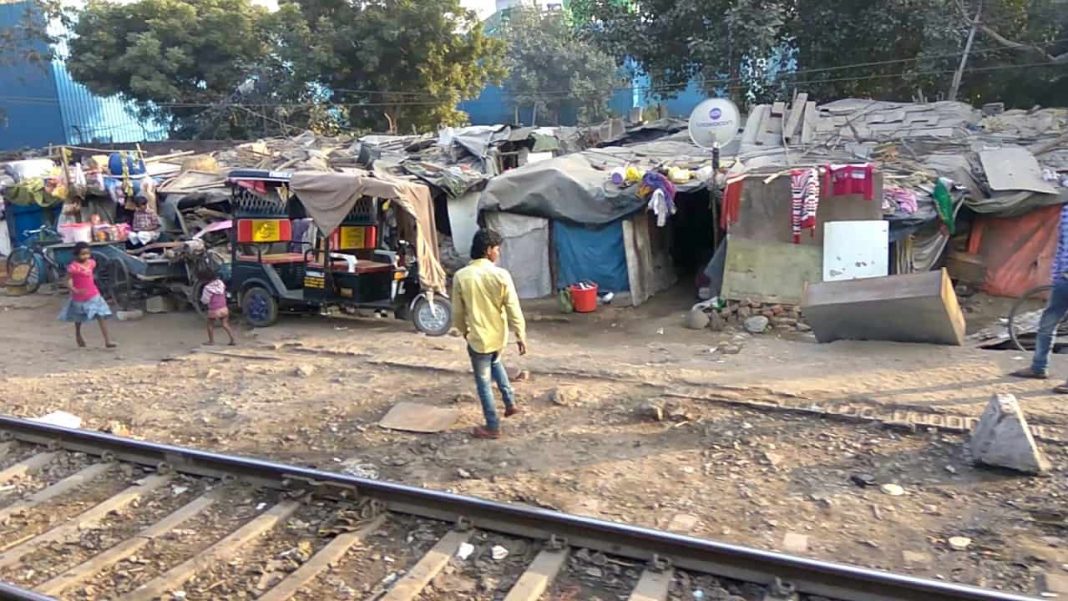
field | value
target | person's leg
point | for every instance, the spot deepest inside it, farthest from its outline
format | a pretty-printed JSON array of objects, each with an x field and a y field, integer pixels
[
  {"x": 104, "y": 331},
  {"x": 229, "y": 332},
  {"x": 1055, "y": 311},
  {"x": 481, "y": 364},
  {"x": 78, "y": 334},
  {"x": 211, "y": 331},
  {"x": 500, "y": 376}
]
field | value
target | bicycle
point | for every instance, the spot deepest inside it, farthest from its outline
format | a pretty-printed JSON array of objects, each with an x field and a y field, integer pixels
[
  {"x": 1025, "y": 315},
  {"x": 25, "y": 263}
]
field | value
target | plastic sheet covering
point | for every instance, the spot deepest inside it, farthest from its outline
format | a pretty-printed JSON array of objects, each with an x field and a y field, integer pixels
[
  {"x": 567, "y": 187},
  {"x": 525, "y": 252},
  {"x": 1017, "y": 251},
  {"x": 593, "y": 254}
]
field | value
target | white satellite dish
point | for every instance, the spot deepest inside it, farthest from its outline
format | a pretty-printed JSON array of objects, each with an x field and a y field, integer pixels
[{"x": 714, "y": 123}]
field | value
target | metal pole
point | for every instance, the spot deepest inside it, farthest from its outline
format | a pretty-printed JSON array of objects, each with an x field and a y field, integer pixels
[{"x": 955, "y": 87}]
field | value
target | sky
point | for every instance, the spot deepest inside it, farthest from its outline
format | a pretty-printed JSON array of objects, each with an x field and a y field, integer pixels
[{"x": 484, "y": 8}]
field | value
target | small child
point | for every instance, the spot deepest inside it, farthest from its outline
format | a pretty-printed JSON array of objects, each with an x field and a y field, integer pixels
[
  {"x": 85, "y": 303},
  {"x": 145, "y": 226},
  {"x": 214, "y": 297}
]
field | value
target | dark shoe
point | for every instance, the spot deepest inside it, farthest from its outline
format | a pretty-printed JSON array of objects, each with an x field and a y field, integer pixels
[
  {"x": 1030, "y": 374},
  {"x": 1062, "y": 389},
  {"x": 513, "y": 410},
  {"x": 484, "y": 433}
]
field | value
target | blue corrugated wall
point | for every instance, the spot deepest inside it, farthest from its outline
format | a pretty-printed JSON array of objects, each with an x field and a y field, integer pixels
[
  {"x": 31, "y": 116},
  {"x": 42, "y": 104}
]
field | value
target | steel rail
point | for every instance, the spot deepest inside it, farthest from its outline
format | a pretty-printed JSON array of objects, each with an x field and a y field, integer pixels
[
  {"x": 811, "y": 576},
  {"x": 13, "y": 593}
]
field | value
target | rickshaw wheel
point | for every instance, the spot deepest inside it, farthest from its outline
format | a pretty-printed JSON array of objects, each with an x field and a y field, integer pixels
[
  {"x": 259, "y": 307},
  {"x": 120, "y": 284},
  {"x": 102, "y": 275},
  {"x": 196, "y": 291},
  {"x": 432, "y": 320}
]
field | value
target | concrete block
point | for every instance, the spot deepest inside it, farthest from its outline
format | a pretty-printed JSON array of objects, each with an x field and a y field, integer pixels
[
  {"x": 918, "y": 307},
  {"x": 160, "y": 304},
  {"x": 1002, "y": 438}
]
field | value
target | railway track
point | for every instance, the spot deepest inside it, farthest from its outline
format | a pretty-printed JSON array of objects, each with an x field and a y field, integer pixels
[{"x": 86, "y": 515}]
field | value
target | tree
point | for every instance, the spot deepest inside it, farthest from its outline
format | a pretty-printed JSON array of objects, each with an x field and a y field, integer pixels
[
  {"x": 174, "y": 58},
  {"x": 396, "y": 64},
  {"x": 755, "y": 50},
  {"x": 551, "y": 68}
]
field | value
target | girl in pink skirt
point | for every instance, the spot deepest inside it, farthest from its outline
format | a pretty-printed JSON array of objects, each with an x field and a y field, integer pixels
[
  {"x": 85, "y": 302},
  {"x": 214, "y": 298}
]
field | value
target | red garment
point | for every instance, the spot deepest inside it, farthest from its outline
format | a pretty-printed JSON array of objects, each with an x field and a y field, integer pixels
[
  {"x": 732, "y": 203},
  {"x": 844, "y": 180},
  {"x": 83, "y": 287}
]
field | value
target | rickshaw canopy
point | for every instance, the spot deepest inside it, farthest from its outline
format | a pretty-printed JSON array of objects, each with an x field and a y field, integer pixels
[{"x": 328, "y": 197}]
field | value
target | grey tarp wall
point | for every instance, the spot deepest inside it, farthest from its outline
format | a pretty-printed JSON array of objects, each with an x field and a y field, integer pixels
[{"x": 525, "y": 252}]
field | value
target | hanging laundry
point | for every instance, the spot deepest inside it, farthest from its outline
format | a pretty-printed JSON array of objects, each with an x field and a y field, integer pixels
[
  {"x": 661, "y": 206},
  {"x": 656, "y": 181},
  {"x": 900, "y": 199},
  {"x": 732, "y": 203},
  {"x": 844, "y": 180},
  {"x": 944, "y": 204},
  {"x": 805, "y": 199}
]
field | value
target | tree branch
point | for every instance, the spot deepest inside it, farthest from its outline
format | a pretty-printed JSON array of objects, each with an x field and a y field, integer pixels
[{"x": 1000, "y": 39}]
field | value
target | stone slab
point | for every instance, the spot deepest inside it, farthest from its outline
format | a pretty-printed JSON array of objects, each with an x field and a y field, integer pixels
[{"x": 1003, "y": 439}]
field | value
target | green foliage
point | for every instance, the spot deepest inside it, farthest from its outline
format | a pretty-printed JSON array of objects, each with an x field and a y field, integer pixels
[
  {"x": 901, "y": 48},
  {"x": 225, "y": 68},
  {"x": 396, "y": 64},
  {"x": 172, "y": 57},
  {"x": 551, "y": 68}
]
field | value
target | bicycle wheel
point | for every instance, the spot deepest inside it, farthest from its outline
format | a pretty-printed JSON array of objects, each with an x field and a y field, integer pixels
[
  {"x": 1025, "y": 315},
  {"x": 24, "y": 269}
]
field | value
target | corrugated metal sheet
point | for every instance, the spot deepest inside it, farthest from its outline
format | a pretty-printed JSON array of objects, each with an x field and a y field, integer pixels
[
  {"x": 88, "y": 118},
  {"x": 30, "y": 112},
  {"x": 43, "y": 105}
]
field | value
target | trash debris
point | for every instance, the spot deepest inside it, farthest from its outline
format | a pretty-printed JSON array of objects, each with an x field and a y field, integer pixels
[
  {"x": 696, "y": 320},
  {"x": 756, "y": 324},
  {"x": 131, "y": 315},
  {"x": 416, "y": 417},
  {"x": 498, "y": 552},
  {"x": 863, "y": 479},
  {"x": 465, "y": 551},
  {"x": 1002, "y": 438},
  {"x": 651, "y": 410},
  {"x": 959, "y": 543},
  {"x": 179, "y": 490},
  {"x": 304, "y": 371},
  {"x": 893, "y": 490},
  {"x": 356, "y": 467},
  {"x": 795, "y": 543},
  {"x": 59, "y": 418},
  {"x": 466, "y": 475}
]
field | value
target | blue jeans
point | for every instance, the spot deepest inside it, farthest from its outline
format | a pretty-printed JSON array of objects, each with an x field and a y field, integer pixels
[
  {"x": 487, "y": 366},
  {"x": 1055, "y": 311}
]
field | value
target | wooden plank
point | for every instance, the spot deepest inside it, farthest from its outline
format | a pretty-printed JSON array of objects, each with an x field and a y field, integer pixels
[
  {"x": 810, "y": 123},
  {"x": 84, "y": 571},
  {"x": 29, "y": 466},
  {"x": 178, "y": 575},
  {"x": 753, "y": 123},
  {"x": 435, "y": 560},
  {"x": 917, "y": 307},
  {"x": 538, "y": 576},
  {"x": 778, "y": 109},
  {"x": 654, "y": 585},
  {"x": 325, "y": 558},
  {"x": 59, "y": 488},
  {"x": 770, "y": 272},
  {"x": 793, "y": 122},
  {"x": 71, "y": 530}
]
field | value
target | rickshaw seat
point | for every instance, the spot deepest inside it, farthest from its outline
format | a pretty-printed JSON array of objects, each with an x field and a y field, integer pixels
[{"x": 274, "y": 258}]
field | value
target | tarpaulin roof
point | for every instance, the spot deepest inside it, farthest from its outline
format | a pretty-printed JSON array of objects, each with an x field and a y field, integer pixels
[{"x": 567, "y": 187}]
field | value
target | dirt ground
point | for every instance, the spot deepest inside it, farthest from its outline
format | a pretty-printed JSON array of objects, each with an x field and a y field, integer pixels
[{"x": 312, "y": 390}]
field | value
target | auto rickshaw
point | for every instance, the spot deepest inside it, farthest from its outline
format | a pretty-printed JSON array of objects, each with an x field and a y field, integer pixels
[{"x": 314, "y": 241}]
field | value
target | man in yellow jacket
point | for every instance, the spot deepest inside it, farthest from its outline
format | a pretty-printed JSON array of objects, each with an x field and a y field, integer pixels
[{"x": 485, "y": 306}]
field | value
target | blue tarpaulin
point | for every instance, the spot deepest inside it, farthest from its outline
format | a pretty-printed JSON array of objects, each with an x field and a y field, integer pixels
[{"x": 591, "y": 254}]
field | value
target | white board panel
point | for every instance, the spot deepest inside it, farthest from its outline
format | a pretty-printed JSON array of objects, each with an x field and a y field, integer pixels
[{"x": 854, "y": 250}]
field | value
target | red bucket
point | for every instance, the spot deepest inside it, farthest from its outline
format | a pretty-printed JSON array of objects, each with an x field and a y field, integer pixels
[{"x": 584, "y": 300}]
